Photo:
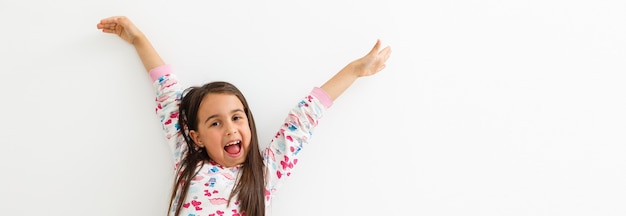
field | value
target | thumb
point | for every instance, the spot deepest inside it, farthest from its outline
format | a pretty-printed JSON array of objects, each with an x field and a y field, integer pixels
[{"x": 375, "y": 48}]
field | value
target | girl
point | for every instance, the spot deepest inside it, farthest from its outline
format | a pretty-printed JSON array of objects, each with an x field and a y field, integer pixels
[{"x": 220, "y": 169}]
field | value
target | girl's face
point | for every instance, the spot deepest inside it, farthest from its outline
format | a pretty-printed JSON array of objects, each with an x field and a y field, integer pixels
[{"x": 223, "y": 129}]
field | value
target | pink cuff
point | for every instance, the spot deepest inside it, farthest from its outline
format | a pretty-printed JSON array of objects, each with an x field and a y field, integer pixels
[
  {"x": 322, "y": 96},
  {"x": 160, "y": 71}
]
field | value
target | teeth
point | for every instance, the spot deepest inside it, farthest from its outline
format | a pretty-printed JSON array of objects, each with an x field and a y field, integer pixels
[{"x": 233, "y": 143}]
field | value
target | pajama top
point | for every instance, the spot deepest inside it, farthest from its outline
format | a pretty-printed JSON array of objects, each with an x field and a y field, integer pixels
[{"x": 210, "y": 188}]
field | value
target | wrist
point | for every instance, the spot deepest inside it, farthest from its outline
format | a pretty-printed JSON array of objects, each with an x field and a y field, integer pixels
[{"x": 139, "y": 40}]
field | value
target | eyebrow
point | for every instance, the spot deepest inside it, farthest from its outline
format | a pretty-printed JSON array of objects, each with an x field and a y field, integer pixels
[{"x": 216, "y": 115}]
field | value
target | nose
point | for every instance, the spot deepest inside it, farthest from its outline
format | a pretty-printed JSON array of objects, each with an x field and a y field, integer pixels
[{"x": 231, "y": 129}]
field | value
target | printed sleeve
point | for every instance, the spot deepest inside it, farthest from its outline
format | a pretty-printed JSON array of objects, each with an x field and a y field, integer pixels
[
  {"x": 168, "y": 95},
  {"x": 281, "y": 155}
]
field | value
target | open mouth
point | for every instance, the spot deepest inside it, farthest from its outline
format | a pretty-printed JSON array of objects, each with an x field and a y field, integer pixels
[{"x": 233, "y": 147}]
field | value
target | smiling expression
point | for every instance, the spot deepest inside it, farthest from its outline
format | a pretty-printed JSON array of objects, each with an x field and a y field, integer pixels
[{"x": 223, "y": 129}]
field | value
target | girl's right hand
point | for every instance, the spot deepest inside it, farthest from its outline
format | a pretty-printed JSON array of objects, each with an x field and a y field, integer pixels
[{"x": 121, "y": 26}]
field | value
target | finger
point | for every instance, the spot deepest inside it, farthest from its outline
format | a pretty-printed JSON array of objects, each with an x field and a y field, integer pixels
[
  {"x": 107, "y": 26},
  {"x": 109, "y": 20},
  {"x": 381, "y": 67},
  {"x": 385, "y": 53},
  {"x": 123, "y": 21},
  {"x": 109, "y": 31},
  {"x": 103, "y": 24},
  {"x": 113, "y": 22},
  {"x": 375, "y": 48}
]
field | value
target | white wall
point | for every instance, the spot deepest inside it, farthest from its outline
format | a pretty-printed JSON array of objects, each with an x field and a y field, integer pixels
[{"x": 486, "y": 107}]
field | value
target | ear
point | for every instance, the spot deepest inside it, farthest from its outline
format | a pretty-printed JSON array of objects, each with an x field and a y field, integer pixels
[{"x": 195, "y": 136}]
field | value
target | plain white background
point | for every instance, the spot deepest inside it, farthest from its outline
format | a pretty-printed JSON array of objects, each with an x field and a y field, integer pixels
[{"x": 486, "y": 107}]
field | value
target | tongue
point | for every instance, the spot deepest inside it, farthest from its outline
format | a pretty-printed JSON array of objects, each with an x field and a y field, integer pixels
[{"x": 232, "y": 149}]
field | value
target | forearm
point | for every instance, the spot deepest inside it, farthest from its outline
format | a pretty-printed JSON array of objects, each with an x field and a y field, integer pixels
[
  {"x": 340, "y": 82},
  {"x": 167, "y": 101},
  {"x": 149, "y": 56},
  {"x": 281, "y": 155}
]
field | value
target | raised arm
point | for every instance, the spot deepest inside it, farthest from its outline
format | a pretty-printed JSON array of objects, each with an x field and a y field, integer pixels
[
  {"x": 123, "y": 27},
  {"x": 367, "y": 65},
  {"x": 168, "y": 91}
]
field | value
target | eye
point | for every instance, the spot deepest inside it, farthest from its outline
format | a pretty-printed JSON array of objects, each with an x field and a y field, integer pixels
[
  {"x": 235, "y": 118},
  {"x": 214, "y": 124}
]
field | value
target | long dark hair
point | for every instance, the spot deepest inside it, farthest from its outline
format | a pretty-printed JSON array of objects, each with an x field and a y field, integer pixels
[{"x": 250, "y": 186}]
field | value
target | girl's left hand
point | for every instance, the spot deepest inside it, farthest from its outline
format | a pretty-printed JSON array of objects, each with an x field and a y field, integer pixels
[{"x": 373, "y": 62}]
